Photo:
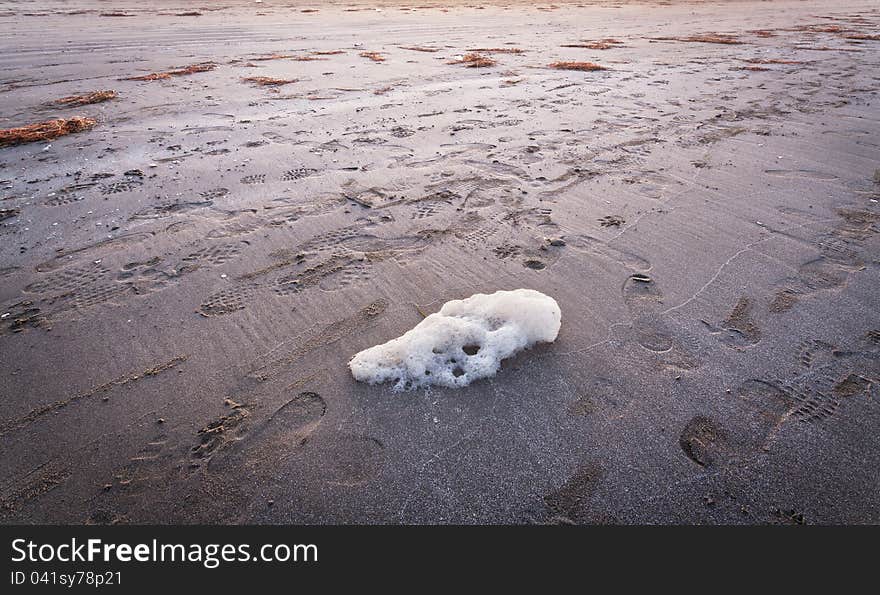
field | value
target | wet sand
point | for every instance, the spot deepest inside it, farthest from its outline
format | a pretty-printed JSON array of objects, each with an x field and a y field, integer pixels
[{"x": 184, "y": 284}]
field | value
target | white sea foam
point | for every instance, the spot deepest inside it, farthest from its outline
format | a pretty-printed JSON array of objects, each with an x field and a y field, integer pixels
[{"x": 465, "y": 341}]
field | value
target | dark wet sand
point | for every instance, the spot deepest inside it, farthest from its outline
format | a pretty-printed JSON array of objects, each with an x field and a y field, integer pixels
[{"x": 174, "y": 339}]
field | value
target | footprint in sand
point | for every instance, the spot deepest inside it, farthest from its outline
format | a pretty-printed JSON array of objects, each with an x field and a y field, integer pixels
[
  {"x": 671, "y": 348},
  {"x": 703, "y": 441},
  {"x": 95, "y": 251},
  {"x": 209, "y": 255},
  {"x": 570, "y": 502},
  {"x": 641, "y": 294},
  {"x": 651, "y": 330},
  {"x": 352, "y": 273},
  {"x": 816, "y": 275},
  {"x": 595, "y": 246},
  {"x": 69, "y": 194},
  {"x": 738, "y": 330},
  {"x": 827, "y": 378},
  {"x": 840, "y": 256},
  {"x": 298, "y": 173},
  {"x": 90, "y": 296},
  {"x": 427, "y": 209},
  {"x": 170, "y": 209},
  {"x": 214, "y": 193},
  {"x": 768, "y": 404},
  {"x": 71, "y": 278},
  {"x": 227, "y": 301},
  {"x": 813, "y": 353},
  {"x": 254, "y": 179},
  {"x": 64, "y": 291},
  {"x": 121, "y": 186},
  {"x": 818, "y": 393},
  {"x": 841, "y": 251},
  {"x": 536, "y": 259},
  {"x": 603, "y": 397},
  {"x": 270, "y": 442},
  {"x": 611, "y": 221},
  {"x": 221, "y": 432}
]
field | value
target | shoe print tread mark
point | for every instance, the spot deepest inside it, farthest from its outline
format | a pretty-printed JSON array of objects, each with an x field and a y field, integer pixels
[
  {"x": 328, "y": 335},
  {"x": 121, "y": 186},
  {"x": 254, "y": 179},
  {"x": 298, "y": 173},
  {"x": 68, "y": 279},
  {"x": 228, "y": 300}
]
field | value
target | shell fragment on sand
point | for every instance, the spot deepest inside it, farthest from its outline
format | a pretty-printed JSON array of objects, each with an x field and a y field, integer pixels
[{"x": 465, "y": 341}]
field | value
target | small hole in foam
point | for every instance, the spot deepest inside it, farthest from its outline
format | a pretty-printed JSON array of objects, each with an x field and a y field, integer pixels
[
  {"x": 471, "y": 349},
  {"x": 457, "y": 371}
]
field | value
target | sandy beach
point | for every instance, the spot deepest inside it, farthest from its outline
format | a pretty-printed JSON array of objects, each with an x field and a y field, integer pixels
[{"x": 273, "y": 187}]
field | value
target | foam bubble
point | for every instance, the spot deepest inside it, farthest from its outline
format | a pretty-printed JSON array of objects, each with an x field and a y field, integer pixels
[{"x": 465, "y": 341}]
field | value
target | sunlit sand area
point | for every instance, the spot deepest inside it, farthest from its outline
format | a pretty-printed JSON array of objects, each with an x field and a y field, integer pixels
[{"x": 208, "y": 208}]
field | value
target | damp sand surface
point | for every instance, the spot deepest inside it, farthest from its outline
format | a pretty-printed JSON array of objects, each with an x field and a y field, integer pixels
[{"x": 271, "y": 188}]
